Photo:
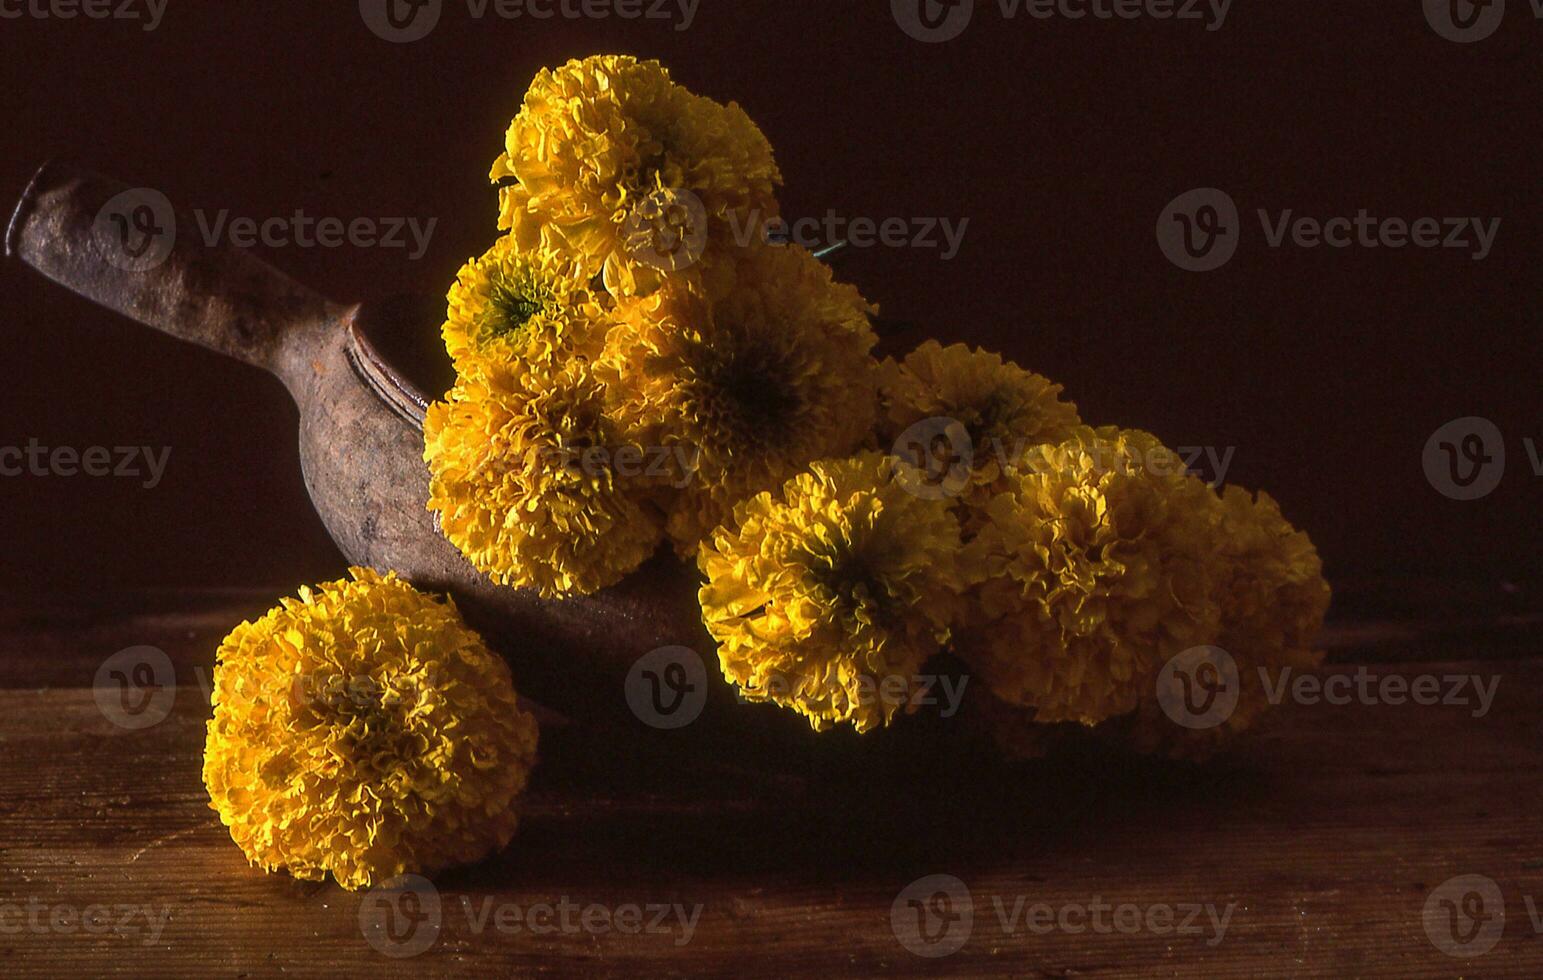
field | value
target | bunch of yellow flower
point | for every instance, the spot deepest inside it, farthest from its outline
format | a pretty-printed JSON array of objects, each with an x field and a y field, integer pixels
[
  {"x": 637, "y": 367},
  {"x": 633, "y": 369},
  {"x": 632, "y": 362}
]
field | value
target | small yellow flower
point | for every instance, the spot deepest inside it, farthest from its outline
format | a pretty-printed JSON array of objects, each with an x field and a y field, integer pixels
[
  {"x": 828, "y": 597},
  {"x": 1091, "y": 571},
  {"x": 1002, "y": 413},
  {"x": 524, "y": 481},
  {"x": 510, "y": 307},
  {"x": 363, "y": 731},
  {"x": 631, "y": 173},
  {"x": 751, "y": 385}
]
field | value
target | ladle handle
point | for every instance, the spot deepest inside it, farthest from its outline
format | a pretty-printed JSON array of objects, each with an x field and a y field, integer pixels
[{"x": 127, "y": 249}]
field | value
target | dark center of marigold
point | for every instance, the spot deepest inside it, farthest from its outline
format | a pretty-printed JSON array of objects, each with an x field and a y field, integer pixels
[
  {"x": 367, "y": 720},
  {"x": 854, "y": 585},
  {"x": 510, "y": 307},
  {"x": 993, "y": 414},
  {"x": 749, "y": 393},
  {"x": 655, "y": 154}
]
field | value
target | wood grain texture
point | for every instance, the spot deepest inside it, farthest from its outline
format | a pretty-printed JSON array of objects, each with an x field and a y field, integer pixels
[{"x": 1327, "y": 835}]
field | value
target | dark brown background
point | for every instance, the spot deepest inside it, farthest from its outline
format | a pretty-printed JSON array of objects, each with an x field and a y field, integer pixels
[{"x": 1060, "y": 141}]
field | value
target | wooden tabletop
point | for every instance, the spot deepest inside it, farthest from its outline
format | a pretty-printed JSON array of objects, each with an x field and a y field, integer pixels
[{"x": 1359, "y": 839}]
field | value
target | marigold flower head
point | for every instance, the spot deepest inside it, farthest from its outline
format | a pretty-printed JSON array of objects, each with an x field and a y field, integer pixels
[
  {"x": 524, "y": 482},
  {"x": 999, "y": 413},
  {"x": 828, "y": 596},
  {"x": 1272, "y": 599},
  {"x": 630, "y": 172},
  {"x": 513, "y": 306},
  {"x": 1091, "y": 571},
  {"x": 757, "y": 382},
  {"x": 362, "y": 730}
]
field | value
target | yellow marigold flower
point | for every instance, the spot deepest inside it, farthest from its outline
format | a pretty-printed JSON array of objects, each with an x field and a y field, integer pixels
[
  {"x": 1269, "y": 588},
  {"x": 753, "y": 384},
  {"x": 630, "y": 172},
  {"x": 525, "y": 483},
  {"x": 1272, "y": 599},
  {"x": 1002, "y": 413},
  {"x": 512, "y": 306},
  {"x": 1091, "y": 572},
  {"x": 828, "y": 597},
  {"x": 362, "y": 730}
]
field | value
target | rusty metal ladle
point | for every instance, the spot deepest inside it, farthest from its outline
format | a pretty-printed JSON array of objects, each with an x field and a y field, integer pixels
[{"x": 361, "y": 447}]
